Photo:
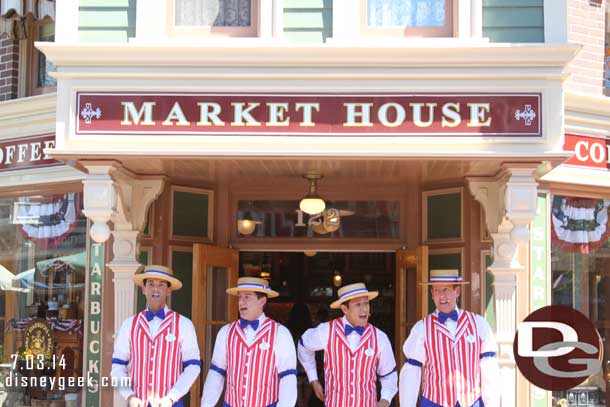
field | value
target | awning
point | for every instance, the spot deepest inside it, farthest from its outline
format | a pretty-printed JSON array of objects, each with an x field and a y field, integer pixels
[
  {"x": 14, "y": 13},
  {"x": 63, "y": 263},
  {"x": 6, "y": 281}
]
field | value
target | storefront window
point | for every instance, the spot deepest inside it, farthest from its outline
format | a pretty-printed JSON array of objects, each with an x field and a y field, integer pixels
[
  {"x": 42, "y": 290},
  {"x": 340, "y": 220},
  {"x": 580, "y": 258}
]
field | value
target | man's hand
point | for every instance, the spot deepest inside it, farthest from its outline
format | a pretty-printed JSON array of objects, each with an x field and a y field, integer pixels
[
  {"x": 133, "y": 401},
  {"x": 383, "y": 403},
  {"x": 165, "y": 402},
  {"x": 318, "y": 389}
]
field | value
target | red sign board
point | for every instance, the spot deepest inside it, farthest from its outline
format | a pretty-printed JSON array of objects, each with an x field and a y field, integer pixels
[
  {"x": 588, "y": 151},
  {"x": 27, "y": 152},
  {"x": 426, "y": 114}
]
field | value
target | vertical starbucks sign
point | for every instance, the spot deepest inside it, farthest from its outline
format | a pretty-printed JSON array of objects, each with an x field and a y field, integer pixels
[
  {"x": 94, "y": 325},
  {"x": 539, "y": 278}
]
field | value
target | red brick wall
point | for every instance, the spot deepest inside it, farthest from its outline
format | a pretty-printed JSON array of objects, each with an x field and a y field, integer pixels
[
  {"x": 586, "y": 26},
  {"x": 9, "y": 67}
]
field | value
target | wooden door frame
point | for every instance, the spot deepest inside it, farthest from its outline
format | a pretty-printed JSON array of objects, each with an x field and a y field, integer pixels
[
  {"x": 204, "y": 256},
  {"x": 409, "y": 259}
]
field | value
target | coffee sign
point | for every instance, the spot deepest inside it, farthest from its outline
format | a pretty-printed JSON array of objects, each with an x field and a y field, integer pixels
[
  {"x": 26, "y": 152},
  {"x": 588, "y": 151},
  {"x": 413, "y": 114}
]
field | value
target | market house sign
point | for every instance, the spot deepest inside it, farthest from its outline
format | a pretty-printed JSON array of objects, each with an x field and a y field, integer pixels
[
  {"x": 422, "y": 114},
  {"x": 27, "y": 152}
]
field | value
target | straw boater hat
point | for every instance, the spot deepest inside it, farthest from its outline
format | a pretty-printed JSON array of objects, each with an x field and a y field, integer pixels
[
  {"x": 350, "y": 291},
  {"x": 258, "y": 285},
  {"x": 445, "y": 277},
  {"x": 159, "y": 273}
]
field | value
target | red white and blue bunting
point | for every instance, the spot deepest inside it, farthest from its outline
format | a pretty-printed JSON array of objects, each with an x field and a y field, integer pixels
[
  {"x": 579, "y": 224},
  {"x": 63, "y": 325},
  {"x": 48, "y": 223}
]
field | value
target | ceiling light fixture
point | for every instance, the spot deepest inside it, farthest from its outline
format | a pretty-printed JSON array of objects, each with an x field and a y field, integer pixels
[
  {"x": 246, "y": 225},
  {"x": 312, "y": 203}
]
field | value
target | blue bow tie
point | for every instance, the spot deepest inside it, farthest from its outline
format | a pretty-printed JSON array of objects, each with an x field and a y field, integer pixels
[
  {"x": 243, "y": 323},
  {"x": 150, "y": 315},
  {"x": 358, "y": 329},
  {"x": 442, "y": 317}
]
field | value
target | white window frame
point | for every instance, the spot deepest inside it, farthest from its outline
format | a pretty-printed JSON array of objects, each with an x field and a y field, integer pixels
[
  {"x": 152, "y": 14},
  {"x": 467, "y": 22}
]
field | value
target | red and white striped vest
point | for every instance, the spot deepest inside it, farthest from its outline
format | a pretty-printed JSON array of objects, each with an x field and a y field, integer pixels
[
  {"x": 252, "y": 376},
  {"x": 452, "y": 371},
  {"x": 156, "y": 362},
  {"x": 351, "y": 377}
]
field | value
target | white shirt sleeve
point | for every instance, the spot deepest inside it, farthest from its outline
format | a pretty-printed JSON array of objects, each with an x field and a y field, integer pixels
[
  {"x": 286, "y": 363},
  {"x": 490, "y": 370},
  {"x": 386, "y": 369},
  {"x": 214, "y": 382},
  {"x": 410, "y": 374},
  {"x": 191, "y": 360},
  {"x": 121, "y": 357},
  {"x": 313, "y": 339}
]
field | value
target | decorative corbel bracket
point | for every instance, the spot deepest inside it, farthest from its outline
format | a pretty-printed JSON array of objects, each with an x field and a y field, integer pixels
[
  {"x": 509, "y": 204},
  {"x": 114, "y": 194}
]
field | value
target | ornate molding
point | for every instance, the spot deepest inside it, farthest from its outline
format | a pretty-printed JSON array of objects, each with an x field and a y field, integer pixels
[{"x": 113, "y": 193}]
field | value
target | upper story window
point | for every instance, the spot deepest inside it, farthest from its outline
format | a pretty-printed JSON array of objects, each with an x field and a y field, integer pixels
[
  {"x": 425, "y": 18},
  {"x": 26, "y": 22},
  {"x": 235, "y": 18},
  {"x": 40, "y": 69}
]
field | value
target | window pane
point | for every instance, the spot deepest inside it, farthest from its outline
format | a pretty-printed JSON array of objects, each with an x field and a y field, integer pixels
[
  {"x": 340, "y": 219},
  {"x": 217, "y": 283},
  {"x": 42, "y": 275},
  {"x": 406, "y": 13},
  {"x": 190, "y": 214},
  {"x": 182, "y": 300},
  {"x": 45, "y": 67},
  {"x": 217, "y": 13},
  {"x": 580, "y": 265},
  {"x": 444, "y": 216}
]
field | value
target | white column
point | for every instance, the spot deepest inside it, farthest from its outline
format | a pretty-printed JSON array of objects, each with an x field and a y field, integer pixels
[
  {"x": 509, "y": 202},
  {"x": 476, "y": 18},
  {"x": 66, "y": 21},
  {"x": 115, "y": 194},
  {"x": 151, "y": 20}
]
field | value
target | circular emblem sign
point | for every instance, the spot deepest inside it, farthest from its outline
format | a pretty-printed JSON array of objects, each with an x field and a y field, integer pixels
[
  {"x": 38, "y": 340},
  {"x": 557, "y": 348}
]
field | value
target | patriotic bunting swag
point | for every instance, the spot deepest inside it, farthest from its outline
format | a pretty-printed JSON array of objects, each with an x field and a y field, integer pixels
[{"x": 579, "y": 224}]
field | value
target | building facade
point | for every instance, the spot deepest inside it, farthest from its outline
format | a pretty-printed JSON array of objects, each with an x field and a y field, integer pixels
[{"x": 440, "y": 134}]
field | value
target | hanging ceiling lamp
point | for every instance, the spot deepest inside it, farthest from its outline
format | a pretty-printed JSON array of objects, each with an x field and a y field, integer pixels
[
  {"x": 246, "y": 225},
  {"x": 312, "y": 203}
]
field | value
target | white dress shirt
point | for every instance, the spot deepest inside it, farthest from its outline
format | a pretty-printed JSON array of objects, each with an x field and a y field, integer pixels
[
  {"x": 285, "y": 360},
  {"x": 414, "y": 348},
  {"x": 315, "y": 339},
  {"x": 189, "y": 346}
]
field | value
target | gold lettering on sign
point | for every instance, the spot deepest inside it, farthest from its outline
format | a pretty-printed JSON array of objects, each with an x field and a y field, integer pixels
[
  {"x": 358, "y": 111},
  {"x": 146, "y": 111},
  {"x": 276, "y": 114},
  {"x": 207, "y": 112},
  {"x": 478, "y": 112},
  {"x": 451, "y": 111},
  {"x": 382, "y": 114},
  {"x": 307, "y": 113},
  {"x": 417, "y": 107},
  {"x": 240, "y": 114},
  {"x": 176, "y": 114}
]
